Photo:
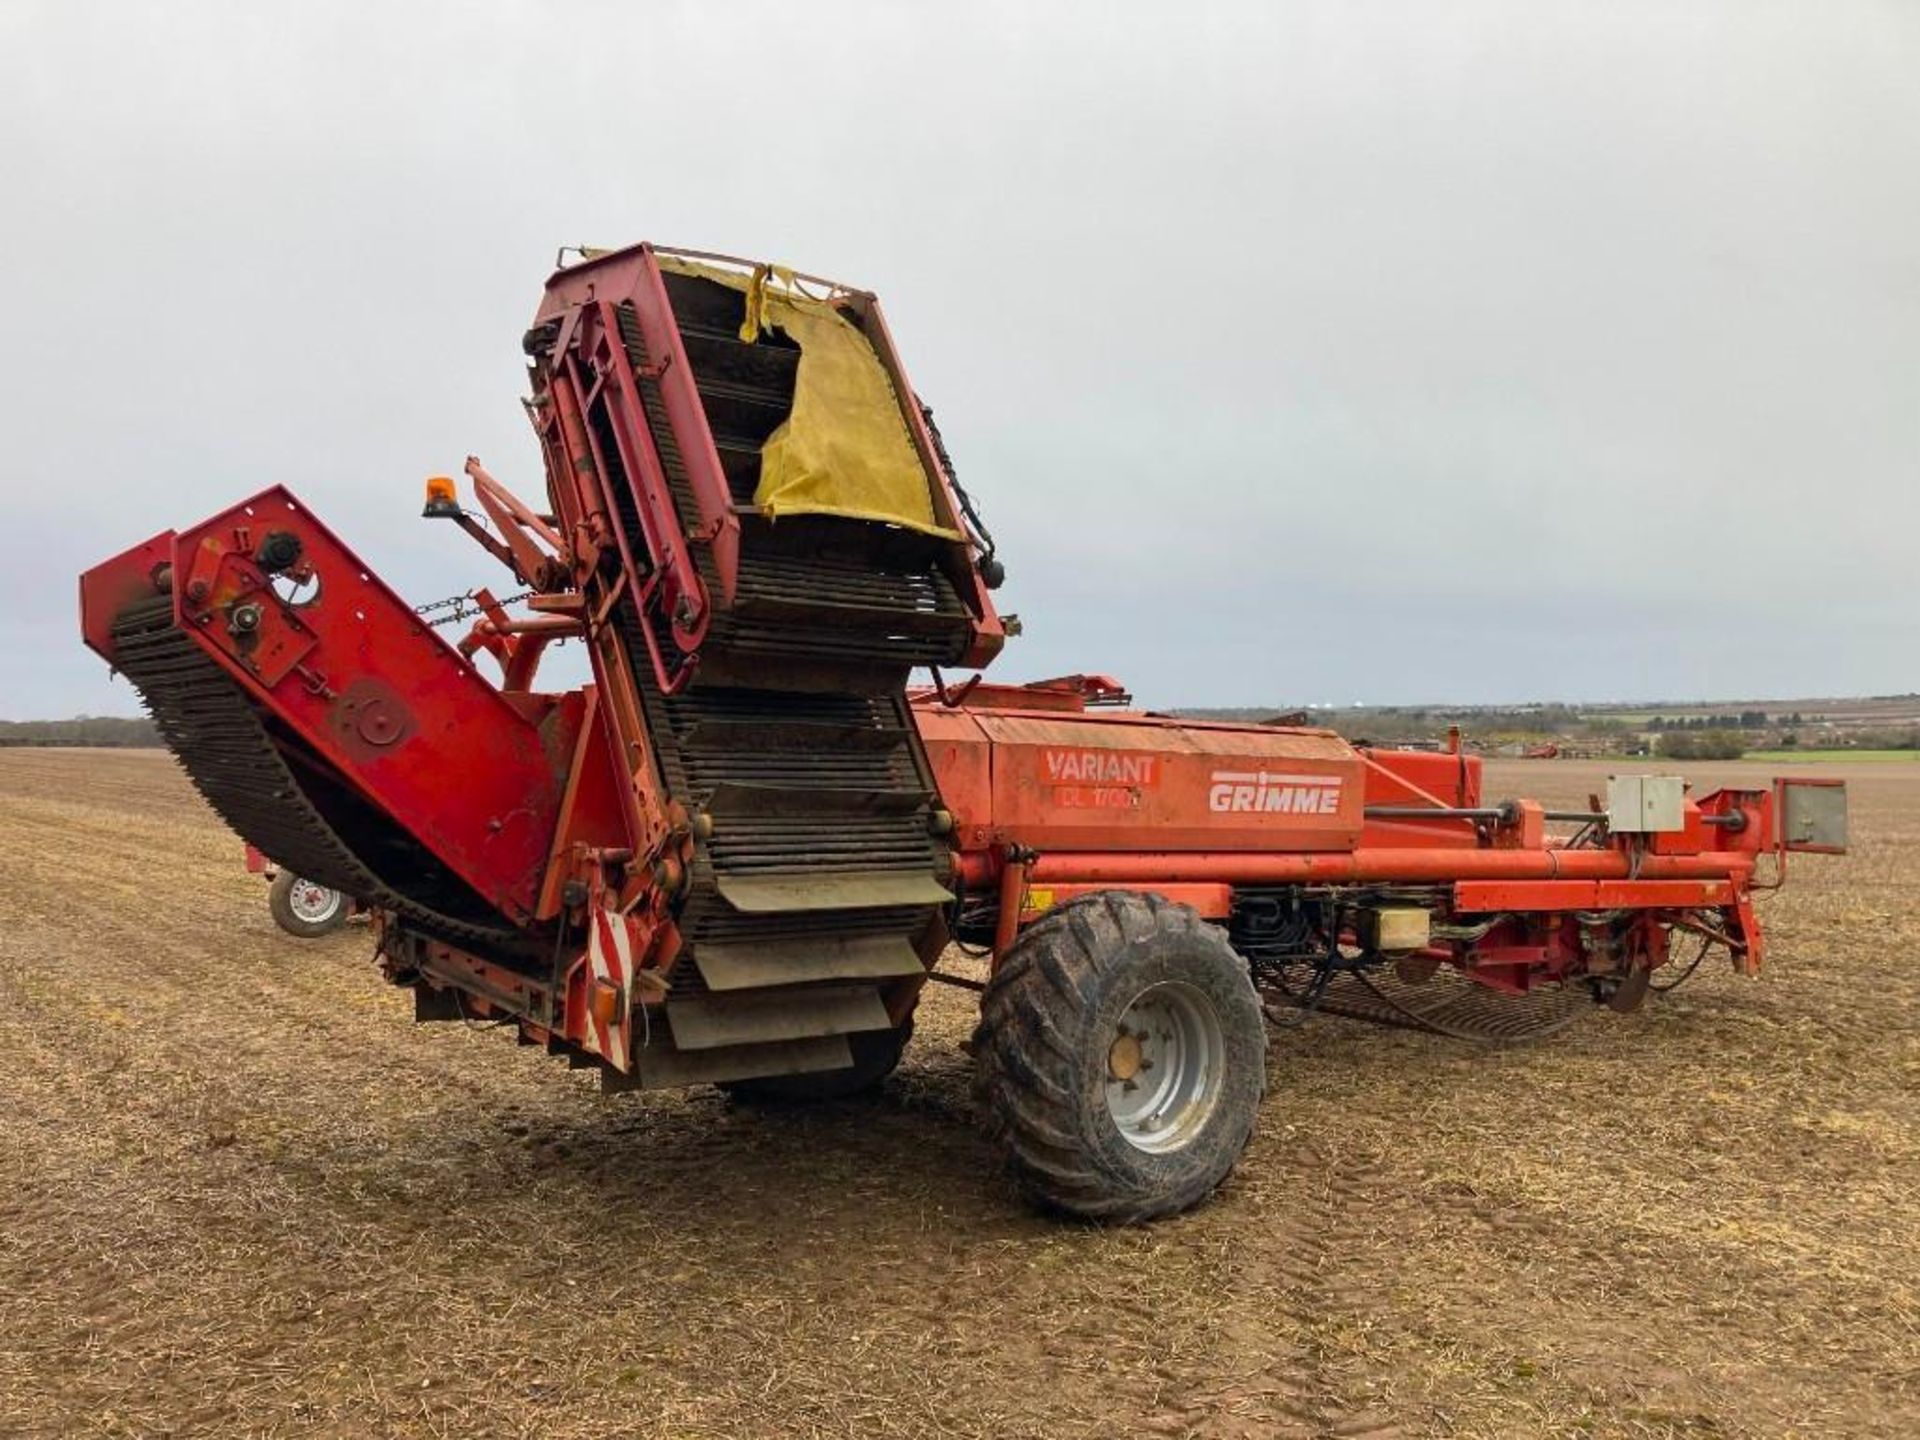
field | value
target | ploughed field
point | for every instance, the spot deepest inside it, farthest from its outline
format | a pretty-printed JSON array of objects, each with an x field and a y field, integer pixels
[{"x": 240, "y": 1192}]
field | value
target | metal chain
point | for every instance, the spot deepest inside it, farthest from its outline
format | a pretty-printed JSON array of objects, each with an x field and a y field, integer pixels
[{"x": 461, "y": 607}]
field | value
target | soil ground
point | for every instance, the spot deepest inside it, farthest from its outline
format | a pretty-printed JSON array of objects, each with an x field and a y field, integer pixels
[{"x": 240, "y": 1192}]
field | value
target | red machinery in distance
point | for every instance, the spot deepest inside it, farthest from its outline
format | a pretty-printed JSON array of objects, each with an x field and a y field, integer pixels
[
  {"x": 303, "y": 909},
  {"x": 739, "y": 854}
]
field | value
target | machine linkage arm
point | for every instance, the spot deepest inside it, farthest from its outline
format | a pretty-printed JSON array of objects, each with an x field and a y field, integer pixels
[
  {"x": 517, "y": 645},
  {"x": 527, "y": 543}
]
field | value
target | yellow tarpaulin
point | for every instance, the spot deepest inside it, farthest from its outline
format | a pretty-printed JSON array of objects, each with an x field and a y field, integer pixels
[{"x": 844, "y": 449}]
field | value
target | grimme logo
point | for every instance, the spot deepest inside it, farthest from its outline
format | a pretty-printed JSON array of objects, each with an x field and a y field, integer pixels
[{"x": 1255, "y": 792}]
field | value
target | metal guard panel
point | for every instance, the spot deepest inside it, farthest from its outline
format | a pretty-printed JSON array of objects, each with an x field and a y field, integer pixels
[{"x": 1813, "y": 816}]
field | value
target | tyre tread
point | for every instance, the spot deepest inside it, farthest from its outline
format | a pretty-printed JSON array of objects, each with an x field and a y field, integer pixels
[{"x": 1025, "y": 1051}]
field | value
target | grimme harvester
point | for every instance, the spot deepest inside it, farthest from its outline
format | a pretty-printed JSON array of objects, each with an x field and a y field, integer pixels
[{"x": 740, "y": 853}]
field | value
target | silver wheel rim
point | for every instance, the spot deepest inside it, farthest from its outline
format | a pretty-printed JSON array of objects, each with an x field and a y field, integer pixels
[
  {"x": 1165, "y": 1066},
  {"x": 312, "y": 904}
]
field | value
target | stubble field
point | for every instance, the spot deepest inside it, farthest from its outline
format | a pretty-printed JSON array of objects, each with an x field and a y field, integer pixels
[{"x": 241, "y": 1193}]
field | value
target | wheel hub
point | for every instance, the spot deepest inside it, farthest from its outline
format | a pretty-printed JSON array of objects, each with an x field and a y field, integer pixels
[
  {"x": 312, "y": 903},
  {"x": 1165, "y": 1065}
]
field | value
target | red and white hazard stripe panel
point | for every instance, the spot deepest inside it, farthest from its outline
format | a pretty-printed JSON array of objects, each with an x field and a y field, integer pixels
[{"x": 610, "y": 957}]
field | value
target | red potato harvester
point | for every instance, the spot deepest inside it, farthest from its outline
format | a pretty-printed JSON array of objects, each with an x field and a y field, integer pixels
[{"x": 740, "y": 853}]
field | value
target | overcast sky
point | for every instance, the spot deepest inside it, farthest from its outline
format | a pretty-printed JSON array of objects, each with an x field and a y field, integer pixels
[{"x": 1295, "y": 353}]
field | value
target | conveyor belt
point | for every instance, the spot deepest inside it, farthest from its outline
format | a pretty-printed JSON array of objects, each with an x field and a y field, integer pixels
[
  {"x": 821, "y": 792},
  {"x": 841, "y": 597},
  {"x": 305, "y": 821},
  {"x": 794, "y": 738}
]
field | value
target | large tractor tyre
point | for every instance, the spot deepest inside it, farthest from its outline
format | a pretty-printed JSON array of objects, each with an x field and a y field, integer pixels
[
  {"x": 876, "y": 1053},
  {"x": 1120, "y": 1057},
  {"x": 302, "y": 908}
]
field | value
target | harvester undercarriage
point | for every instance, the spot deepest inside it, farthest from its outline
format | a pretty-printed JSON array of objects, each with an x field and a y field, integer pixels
[{"x": 738, "y": 855}]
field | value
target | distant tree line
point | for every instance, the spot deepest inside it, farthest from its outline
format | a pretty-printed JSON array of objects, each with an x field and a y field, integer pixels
[
  {"x": 1883, "y": 737},
  {"x": 1710, "y": 735},
  {"x": 1391, "y": 724},
  {"x": 1744, "y": 720},
  {"x": 109, "y": 731},
  {"x": 1703, "y": 744}
]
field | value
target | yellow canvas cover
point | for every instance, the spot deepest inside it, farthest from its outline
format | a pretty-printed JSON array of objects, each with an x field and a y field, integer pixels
[{"x": 845, "y": 448}]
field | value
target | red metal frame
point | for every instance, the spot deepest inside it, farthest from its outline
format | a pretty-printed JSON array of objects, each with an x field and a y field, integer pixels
[
  {"x": 589, "y": 376},
  {"x": 991, "y": 752},
  {"x": 589, "y": 293},
  {"x": 367, "y": 686},
  {"x": 553, "y": 809}
]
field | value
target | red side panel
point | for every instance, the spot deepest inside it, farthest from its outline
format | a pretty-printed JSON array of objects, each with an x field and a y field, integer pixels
[
  {"x": 1420, "y": 777},
  {"x": 113, "y": 585},
  {"x": 348, "y": 668},
  {"x": 1135, "y": 782}
]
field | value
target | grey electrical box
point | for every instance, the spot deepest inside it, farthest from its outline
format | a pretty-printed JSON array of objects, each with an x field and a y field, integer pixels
[
  {"x": 1813, "y": 816},
  {"x": 1646, "y": 804}
]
